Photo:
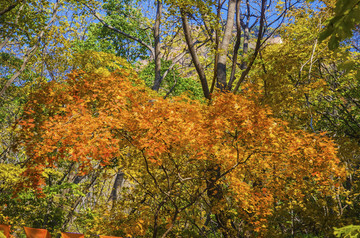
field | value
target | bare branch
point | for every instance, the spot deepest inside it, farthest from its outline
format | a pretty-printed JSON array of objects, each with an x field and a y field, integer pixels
[{"x": 257, "y": 48}]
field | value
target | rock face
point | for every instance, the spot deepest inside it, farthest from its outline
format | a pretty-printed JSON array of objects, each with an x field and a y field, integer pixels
[{"x": 275, "y": 40}]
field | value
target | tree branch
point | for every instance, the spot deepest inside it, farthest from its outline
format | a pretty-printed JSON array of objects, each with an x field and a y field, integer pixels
[
  {"x": 30, "y": 53},
  {"x": 9, "y": 8},
  {"x": 257, "y": 48},
  {"x": 152, "y": 50}
]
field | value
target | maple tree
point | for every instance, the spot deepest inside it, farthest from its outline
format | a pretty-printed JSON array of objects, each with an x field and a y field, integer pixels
[{"x": 165, "y": 147}]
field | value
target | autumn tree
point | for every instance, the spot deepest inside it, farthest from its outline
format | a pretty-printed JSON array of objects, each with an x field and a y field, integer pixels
[
  {"x": 35, "y": 46},
  {"x": 166, "y": 146},
  {"x": 313, "y": 88},
  {"x": 64, "y": 200},
  {"x": 101, "y": 145},
  {"x": 125, "y": 16}
]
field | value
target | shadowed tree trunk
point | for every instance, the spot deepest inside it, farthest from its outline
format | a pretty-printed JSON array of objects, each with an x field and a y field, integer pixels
[{"x": 119, "y": 179}]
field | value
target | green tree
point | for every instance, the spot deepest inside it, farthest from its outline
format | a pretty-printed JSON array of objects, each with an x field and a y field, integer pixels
[
  {"x": 342, "y": 24},
  {"x": 125, "y": 16}
]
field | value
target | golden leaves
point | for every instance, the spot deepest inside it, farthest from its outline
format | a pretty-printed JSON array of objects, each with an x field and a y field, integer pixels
[{"x": 166, "y": 145}]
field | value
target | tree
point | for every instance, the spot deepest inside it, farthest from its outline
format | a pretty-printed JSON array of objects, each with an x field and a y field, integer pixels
[
  {"x": 216, "y": 37},
  {"x": 153, "y": 47},
  {"x": 35, "y": 46},
  {"x": 165, "y": 147},
  {"x": 9, "y": 31},
  {"x": 159, "y": 166},
  {"x": 221, "y": 47},
  {"x": 65, "y": 202},
  {"x": 315, "y": 89},
  {"x": 342, "y": 24},
  {"x": 125, "y": 16}
]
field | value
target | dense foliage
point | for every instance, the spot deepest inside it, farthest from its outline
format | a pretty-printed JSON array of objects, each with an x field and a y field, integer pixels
[{"x": 180, "y": 118}]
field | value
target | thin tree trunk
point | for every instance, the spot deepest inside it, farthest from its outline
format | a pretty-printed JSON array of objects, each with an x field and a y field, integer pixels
[
  {"x": 236, "y": 47},
  {"x": 194, "y": 56},
  {"x": 172, "y": 223},
  {"x": 216, "y": 194},
  {"x": 221, "y": 64},
  {"x": 257, "y": 48},
  {"x": 158, "y": 77},
  {"x": 78, "y": 200},
  {"x": 217, "y": 40},
  {"x": 155, "y": 227},
  {"x": 119, "y": 179},
  {"x": 246, "y": 34},
  {"x": 245, "y": 46}
]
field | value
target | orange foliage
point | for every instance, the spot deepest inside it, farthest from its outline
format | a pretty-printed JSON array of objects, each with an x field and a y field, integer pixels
[
  {"x": 91, "y": 119},
  {"x": 5, "y": 229},
  {"x": 36, "y": 233},
  {"x": 71, "y": 235}
]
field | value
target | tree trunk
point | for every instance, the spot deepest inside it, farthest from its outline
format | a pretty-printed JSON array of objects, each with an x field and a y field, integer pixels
[
  {"x": 119, "y": 179},
  {"x": 221, "y": 64},
  {"x": 246, "y": 35},
  {"x": 218, "y": 15},
  {"x": 257, "y": 47},
  {"x": 194, "y": 56},
  {"x": 158, "y": 77},
  {"x": 236, "y": 47}
]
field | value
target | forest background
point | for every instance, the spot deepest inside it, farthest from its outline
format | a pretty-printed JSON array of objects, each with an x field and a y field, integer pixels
[{"x": 179, "y": 118}]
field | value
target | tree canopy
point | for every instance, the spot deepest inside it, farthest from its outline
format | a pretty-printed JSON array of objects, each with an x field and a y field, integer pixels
[{"x": 180, "y": 118}]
